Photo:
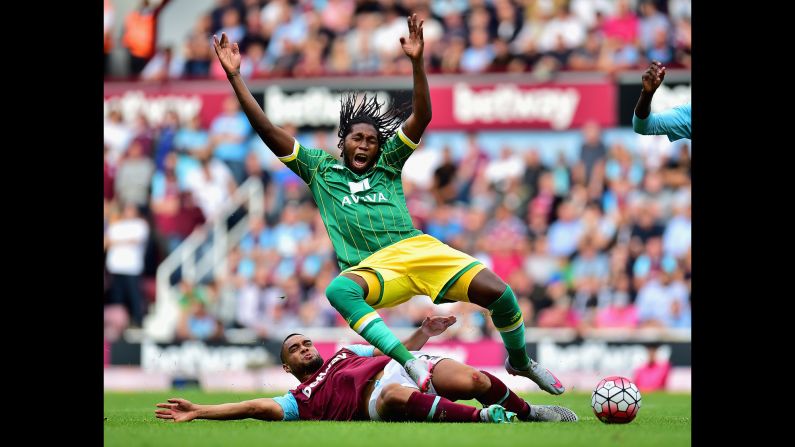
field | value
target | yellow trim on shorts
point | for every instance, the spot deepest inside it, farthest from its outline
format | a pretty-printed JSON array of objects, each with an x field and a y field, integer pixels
[
  {"x": 459, "y": 284},
  {"x": 375, "y": 287}
]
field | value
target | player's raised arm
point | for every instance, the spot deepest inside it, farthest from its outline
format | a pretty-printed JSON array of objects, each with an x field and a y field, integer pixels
[
  {"x": 182, "y": 410},
  {"x": 431, "y": 327},
  {"x": 421, "y": 105},
  {"x": 651, "y": 79},
  {"x": 279, "y": 141}
]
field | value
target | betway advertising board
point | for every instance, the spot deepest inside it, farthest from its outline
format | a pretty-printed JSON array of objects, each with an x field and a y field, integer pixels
[
  {"x": 193, "y": 357},
  {"x": 456, "y": 106}
]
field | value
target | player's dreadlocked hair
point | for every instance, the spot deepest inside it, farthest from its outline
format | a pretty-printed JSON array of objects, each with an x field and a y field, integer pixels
[{"x": 369, "y": 111}]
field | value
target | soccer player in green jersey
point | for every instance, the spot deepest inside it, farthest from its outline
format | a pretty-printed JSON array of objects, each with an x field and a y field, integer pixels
[{"x": 384, "y": 259}]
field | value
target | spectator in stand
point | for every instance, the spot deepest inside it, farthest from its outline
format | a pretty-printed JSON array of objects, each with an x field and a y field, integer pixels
[
  {"x": 444, "y": 179},
  {"x": 189, "y": 141},
  {"x": 255, "y": 171},
  {"x": 166, "y": 132},
  {"x": 255, "y": 32},
  {"x": 615, "y": 305},
  {"x": 445, "y": 224},
  {"x": 448, "y": 60},
  {"x": 541, "y": 265},
  {"x": 677, "y": 236},
  {"x": 229, "y": 132},
  {"x": 677, "y": 171},
  {"x": 117, "y": 136},
  {"x": 195, "y": 322},
  {"x": 337, "y": 15},
  {"x": 144, "y": 133},
  {"x": 164, "y": 65},
  {"x": 586, "y": 57},
  {"x": 508, "y": 166},
  {"x": 258, "y": 237},
  {"x": 593, "y": 152},
  {"x": 660, "y": 48},
  {"x": 622, "y": 26},
  {"x": 133, "y": 176},
  {"x": 166, "y": 205},
  {"x": 125, "y": 242},
  {"x": 560, "y": 314},
  {"x": 564, "y": 233},
  {"x": 140, "y": 34},
  {"x": 257, "y": 303},
  {"x": 663, "y": 300},
  {"x": 563, "y": 31},
  {"x": 211, "y": 185},
  {"x": 473, "y": 222},
  {"x": 682, "y": 41},
  {"x": 506, "y": 228},
  {"x": 197, "y": 49},
  {"x": 589, "y": 263},
  {"x": 652, "y": 25},
  {"x": 652, "y": 375},
  {"x": 231, "y": 24},
  {"x": 480, "y": 53}
]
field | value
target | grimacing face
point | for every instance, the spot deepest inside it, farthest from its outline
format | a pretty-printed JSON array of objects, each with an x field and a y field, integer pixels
[
  {"x": 360, "y": 148},
  {"x": 300, "y": 356}
]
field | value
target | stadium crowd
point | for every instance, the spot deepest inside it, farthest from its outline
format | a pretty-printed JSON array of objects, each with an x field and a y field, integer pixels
[
  {"x": 307, "y": 38},
  {"x": 602, "y": 241}
]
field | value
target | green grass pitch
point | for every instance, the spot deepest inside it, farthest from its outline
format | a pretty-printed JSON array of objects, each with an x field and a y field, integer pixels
[{"x": 664, "y": 420}]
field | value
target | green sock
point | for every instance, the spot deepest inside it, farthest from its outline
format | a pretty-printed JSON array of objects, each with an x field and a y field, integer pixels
[
  {"x": 378, "y": 334},
  {"x": 348, "y": 298},
  {"x": 507, "y": 317}
]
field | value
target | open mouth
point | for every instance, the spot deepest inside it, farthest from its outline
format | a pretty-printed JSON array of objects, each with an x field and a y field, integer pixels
[{"x": 359, "y": 160}]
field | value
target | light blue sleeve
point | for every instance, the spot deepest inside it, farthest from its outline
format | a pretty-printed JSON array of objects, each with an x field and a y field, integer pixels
[
  {"x": 674, "y": 122},
  {"x": 289, "y": 406},
  {"x": 362, "y": 350},
  {"x": 158, "y": 185}
]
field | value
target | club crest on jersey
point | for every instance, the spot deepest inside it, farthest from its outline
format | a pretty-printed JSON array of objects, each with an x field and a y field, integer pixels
[{"x": 362, "y": 186}]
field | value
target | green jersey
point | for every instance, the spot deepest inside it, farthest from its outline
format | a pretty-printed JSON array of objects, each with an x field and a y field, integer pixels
[{"x": 362, "y": 213}]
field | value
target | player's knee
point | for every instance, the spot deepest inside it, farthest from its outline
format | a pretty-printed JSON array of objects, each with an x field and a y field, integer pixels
[
  {"x": 339, "y": 291},
  {"x": 496, "y": 289},
  {"x": 488, "y": 288},
  {"x": 479, "y": 383},
  {"x": 394, "y": 395}
]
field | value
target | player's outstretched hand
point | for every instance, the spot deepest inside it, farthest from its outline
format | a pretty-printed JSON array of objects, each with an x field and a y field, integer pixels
[
  {"x": 435, "y": 325},
  {"x": 414, "y": 45},
  {"x": 653, "y": 77},
  {"x": 178, "y": 410},
  {"x": 228, "y": 54}
]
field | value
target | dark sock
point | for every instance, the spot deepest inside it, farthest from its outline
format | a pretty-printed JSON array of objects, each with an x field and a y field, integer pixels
[
  {"x": 500, "y": 394},
  {"x": 429, "y": 407}
]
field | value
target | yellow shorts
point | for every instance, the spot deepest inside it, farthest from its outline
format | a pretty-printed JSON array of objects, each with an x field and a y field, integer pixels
[{"x": 419, "y": 265}]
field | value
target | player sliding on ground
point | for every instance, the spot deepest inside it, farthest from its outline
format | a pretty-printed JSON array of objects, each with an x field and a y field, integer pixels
[
  {"x": 359, "y": 383},
  {"x": 384, "y": 259}
]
